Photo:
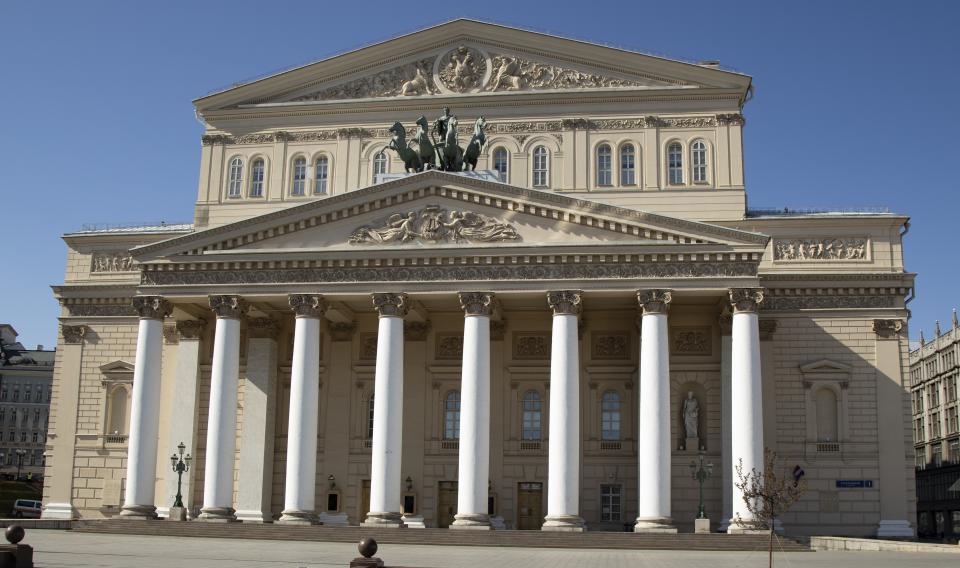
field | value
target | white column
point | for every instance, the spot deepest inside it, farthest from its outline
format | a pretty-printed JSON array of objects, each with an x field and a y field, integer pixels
[
  {"x": 255, "y": 483},
  {"x": 387, "y": 413},
  {"x": 183, "y": 409},
  {"x": 138, "y": 502},
  {"x": 653, "y": 446},
  {"x": 222, "y": 416},
  {"x": 299, "y": 502},
  {"x": 563, "y": 471},
  {"x": 474, "y": 471},
  {"x": 746, "y": 402},
  {"x": 726, "y": 323}
]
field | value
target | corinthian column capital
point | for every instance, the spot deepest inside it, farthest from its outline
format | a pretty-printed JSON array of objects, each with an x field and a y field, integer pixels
[
  {"x": 746, "y": 300},
  {"x": 152, "y": 307},
  {"x": 565, "y": 302},
  {"x": 391, "y": 304},
  {"x": 228, "y": 307},
  {"x": 73, "y": 334},
  {"x": 477, "y": 303},
  {"x": 655, "y": 301},
  {"x": 307, "y": 305}
]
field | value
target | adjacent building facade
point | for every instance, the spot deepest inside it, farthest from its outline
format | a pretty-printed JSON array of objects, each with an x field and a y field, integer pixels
[
  {"x": 26, "y": 386},
  {"x": 936, "y": 432},
  {"x": 545, "y": 341}
]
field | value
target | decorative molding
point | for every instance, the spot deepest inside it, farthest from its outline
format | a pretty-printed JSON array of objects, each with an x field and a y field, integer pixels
[
  {"x": 531, "y": 346},
  {"x": 820, "y": 249},
  {"x": 432, "y": 224},
  {"x": 190, "y": 329},
  {"x": 462, "y": 70},
  {"x": 170, "y": 334},
  {"x": 610, "y": 346},
  {"x": 112, "y": 261},
  {"x": 152, "y": 307},
  {"x": 341, "y": 331},
  {"x": 692, "y": 341},
  {"x": 746, "y": 300},
  {"x": 477, "y": 303},
  {"x": 307, "y": 305},
  {"x": 888, "y": 328},
  {"x": 73, "y": 334},
  {"x": 449, "y": 346},
  {"x": 767, "y": 328},
  {"x": 101, "y": 310},
  {"x": 406, "y": 80},
  {"x": 262, "y": 328},
  {"x": 228, "y": 306},
  {"x": 516, "y": 74},
  {"x": 828, "y": 302},
  {"x": 735, "y": 119},
  {"x": 391, "y": 304},
  {"x": 654, "y": 301},
  {"x": 565, "y": 302},
  {"x": 368, "y": 346},
  {"x": 415, "y": 330}
]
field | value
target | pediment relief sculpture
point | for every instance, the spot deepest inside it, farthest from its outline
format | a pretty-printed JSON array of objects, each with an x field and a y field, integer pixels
[
  {"x": 434, "y": 224},
  {"x": 829, "y": 248}
]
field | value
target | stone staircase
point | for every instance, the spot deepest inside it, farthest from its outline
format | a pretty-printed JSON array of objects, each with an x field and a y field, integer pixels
[{"x": 525, "y": 539}]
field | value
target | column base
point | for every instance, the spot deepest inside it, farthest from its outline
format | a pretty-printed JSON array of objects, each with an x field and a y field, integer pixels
[
  {"x": 217, "y": 515},
  {"x": 383, "y": 521},
  {"x": 59, "y": 511},
  {"x": 661, "y": 525},
  {"x": 740, "y": 527},
  {"x": 253, "y": 516},
  {"x": 138, "y": 512},
  {"x": 412, "y": 522},
  {"x": 563, "y": 523},
  {"x": 297, "y": 517},
  {"x": 471, "y": 521},
  {"x": 894, "y": 529}
]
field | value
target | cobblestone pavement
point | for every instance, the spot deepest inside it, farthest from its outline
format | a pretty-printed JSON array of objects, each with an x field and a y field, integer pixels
[{"x": 55, "y": 549}]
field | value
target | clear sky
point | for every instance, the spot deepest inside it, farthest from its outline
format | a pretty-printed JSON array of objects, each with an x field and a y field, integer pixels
[{"x": 856, "y": 106}]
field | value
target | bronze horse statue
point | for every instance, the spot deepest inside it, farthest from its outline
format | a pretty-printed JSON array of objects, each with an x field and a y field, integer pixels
[
  {"x": 428, "y": 152},
  {"x": 411, "y": 158},
  {"x": 475, "y": 146},
  {"x": 452, "y": 153}
]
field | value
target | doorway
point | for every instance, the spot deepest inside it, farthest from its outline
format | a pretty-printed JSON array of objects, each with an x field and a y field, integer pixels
[
  {"x": 364, "y": 499},
  {"x": 446, "y": 503},
  {"x": 529, "y": 506}
]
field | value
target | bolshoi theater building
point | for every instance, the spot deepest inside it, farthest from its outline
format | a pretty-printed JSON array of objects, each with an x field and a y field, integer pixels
[{"x": 478, "y": 277}]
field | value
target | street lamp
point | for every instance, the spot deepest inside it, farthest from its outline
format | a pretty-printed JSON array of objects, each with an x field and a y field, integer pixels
[
  {"x": 701, "y": 471},
  {"x": 20, "y": 453},
  {"x": 180, "y": 464}
]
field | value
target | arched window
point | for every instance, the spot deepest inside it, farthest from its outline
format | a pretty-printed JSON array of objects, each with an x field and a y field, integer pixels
[
  {"x": 235, "y": 187},
  {"x": 118, "y": 411},
  {"x": 379, "y": 164},
  {"x": 451, "y": 416},
  {"x": 604, "y": 165},
  {"x": 532, "y": 412},
  {"x": 610, "y": 416},
  {"x": 256, "y": 178},
  {"x": 675, "y": 164},
  {"x": 370, "y": 418},
  {"x": 628, "y": 165},
  {"x": 827, "y": 415},
  {"x": 299, "y": 176},
  {"x": 500, "y": 162},
  {"x": 541, "y": 167},
  {"x": 698, "y": 159},
  {"x": 323, "y": 174}
]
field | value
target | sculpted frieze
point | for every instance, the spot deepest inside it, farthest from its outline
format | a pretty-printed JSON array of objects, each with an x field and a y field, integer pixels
[
  {"x": 433, "y": 224},
  {"x": 101, "y": 310},
  {"x": 462, "y": 70},
  {"x": 512, "y": 73},
  {"x": 791, "y": 303},
  {"x": 531, "y": 346},
  {"x": 692, "y": 341},
  {"x": 825, "y": 248},
  {"x": 449, "y": 346},
  {"x": 610, "y": 346},
  {"x": 406, "y": 80},
  {"x": 112, "y": 261}
]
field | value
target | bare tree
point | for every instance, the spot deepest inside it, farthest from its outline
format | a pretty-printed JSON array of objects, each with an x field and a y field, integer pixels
[{"x": 768, "y": 494}]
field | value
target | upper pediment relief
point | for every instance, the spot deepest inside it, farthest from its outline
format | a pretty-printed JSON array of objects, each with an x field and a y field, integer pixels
[{"x": 473, "y": 69}]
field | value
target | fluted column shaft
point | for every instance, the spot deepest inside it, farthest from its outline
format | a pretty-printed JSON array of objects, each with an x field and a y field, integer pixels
[
  {"x": 222, "y": 415},
  {"x": 653, "y": 468},
  {"x": 474, "y": 471},
  {"x": 385, "y": 510},
  {"x": 299, "y": 501},
  {"x": 139, "y": 499},
  {"x": 746, "y": 402},
  {"x": 563, "y": 484}
]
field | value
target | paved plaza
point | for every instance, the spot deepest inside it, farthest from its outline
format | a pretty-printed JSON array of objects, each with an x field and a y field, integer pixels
[{"x": 63, "y": 548}]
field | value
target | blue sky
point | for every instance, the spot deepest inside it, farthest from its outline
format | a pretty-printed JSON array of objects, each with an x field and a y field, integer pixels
[{"x": 855, "y": 106}]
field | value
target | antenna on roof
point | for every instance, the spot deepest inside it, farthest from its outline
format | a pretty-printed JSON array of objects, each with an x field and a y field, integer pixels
[
  {"x": 936, "y": 328},
  {"x": 955, "y": 324}
]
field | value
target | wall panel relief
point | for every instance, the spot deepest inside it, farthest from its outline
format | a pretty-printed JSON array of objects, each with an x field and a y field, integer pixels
[
  {"x": 691, "y": 341},
  {"x": 827, "y": 248},
  {"x": 610, "y": 346},
  {"x": 531, "y": 346},
  {"x": 449, "y": 346}
]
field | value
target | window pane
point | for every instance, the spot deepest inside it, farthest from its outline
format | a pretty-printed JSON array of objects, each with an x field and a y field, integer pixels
[
  {"x": 610, "y": 416},
  {"x": 379, "y": 163},
  {"x": 236, "y": 177},
  {"x": 322, "y": 174},
  {"x": 699, "y": 159},
  {"x": 604, "y": 165},
  {"x": 299, "y": 176},
  {"x": 500, "y": 162},
  {"x": 256, "y": 179},
  {"x": 451, "y": 418},
  {"x": 540, "y": 167},
  {"x": 675, "y": 164},
  {"x": 532, "y": 408},
  {"x": 628, "y": 165}
]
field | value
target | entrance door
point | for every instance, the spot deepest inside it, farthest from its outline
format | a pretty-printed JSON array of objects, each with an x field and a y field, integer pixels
[
  {"x": 529, "y": 506},
  {"x": 364, "y": 499},
  {"x": 446, "y": 503}
]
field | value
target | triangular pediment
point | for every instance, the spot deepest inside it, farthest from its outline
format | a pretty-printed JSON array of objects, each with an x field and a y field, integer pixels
[
  {"x": 825, "y": 366},
  {"x": 467, "y": 57},
  {"x": 451, "y": 214}
]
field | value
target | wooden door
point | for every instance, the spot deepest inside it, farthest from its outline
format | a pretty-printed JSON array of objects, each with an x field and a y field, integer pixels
[
  {"x": 364, "y": 499},
  {"x": 529, "y": 506},
  {"x": 446, "y": 503}
]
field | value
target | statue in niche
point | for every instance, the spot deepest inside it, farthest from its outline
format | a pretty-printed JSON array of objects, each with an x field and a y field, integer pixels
[{"x": 691, "y": 416}]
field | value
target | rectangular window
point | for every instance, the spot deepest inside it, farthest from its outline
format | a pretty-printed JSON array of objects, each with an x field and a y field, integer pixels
[
  {"x": 954, "y": 449},
  {"x": 299, "y": 177},
  {"x": 322, "y": 175},
  {"x": 16, "y": 394},
  {"x": 23, "y": 437},
  {"x": 610, "y": 503},
  {"x": 937, "y": 455}
]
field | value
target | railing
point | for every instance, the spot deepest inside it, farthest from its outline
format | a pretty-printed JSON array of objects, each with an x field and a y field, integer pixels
[
  {"x": 449, "y": 444},
  {"x": 525, "y": 448},
  {"x": 529, "y": 445},
  {"x": 828, "y": 447},
  {"x": 788, "y": 211},
  {"x": 115, "y": 439},
  {"x": 610, "y": 446}
]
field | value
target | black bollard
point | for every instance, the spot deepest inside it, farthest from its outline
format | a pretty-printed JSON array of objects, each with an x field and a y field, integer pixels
[
  {"x": 15, "y": 555},
  {"x": 367, "y": 548}
]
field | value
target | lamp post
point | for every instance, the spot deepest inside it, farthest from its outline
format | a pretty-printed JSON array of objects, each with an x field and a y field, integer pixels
[
  {"x": 20, "y": 453},
  {"x": 180, "y": 464},
  {"x": 701, "y": 471}
]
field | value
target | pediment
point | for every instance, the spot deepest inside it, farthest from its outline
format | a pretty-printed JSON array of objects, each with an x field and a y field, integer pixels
[
  {"x": 449, "y": 213},
  {"x": 825, "y": 366},
  {"x": 466, "y": 57},
  {"x": 118, "y": 370}
]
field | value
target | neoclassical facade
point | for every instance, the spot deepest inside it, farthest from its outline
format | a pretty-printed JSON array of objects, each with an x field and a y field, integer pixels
[{"x": 356, "y": 328}]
